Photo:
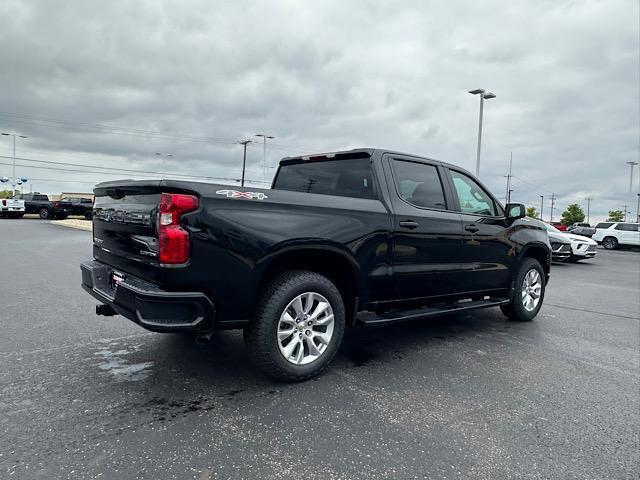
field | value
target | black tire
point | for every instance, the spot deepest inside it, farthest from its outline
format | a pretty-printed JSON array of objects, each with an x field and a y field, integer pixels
[
  {"x": 515, "y": 310},
  {"x": 261, "y": 335},
  {"x": 610, "y": 243},
  {"x": 44, "y": 213}
]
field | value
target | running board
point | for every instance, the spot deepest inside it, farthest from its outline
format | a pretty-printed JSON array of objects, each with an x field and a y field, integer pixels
[{"x": 371, "y": 319}]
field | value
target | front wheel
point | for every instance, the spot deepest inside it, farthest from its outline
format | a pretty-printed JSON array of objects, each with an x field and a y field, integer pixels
[
  {"x": 528, "y": 292},
  {"x": 44, "y": 213},
  {"x": 297, "y": 327}
]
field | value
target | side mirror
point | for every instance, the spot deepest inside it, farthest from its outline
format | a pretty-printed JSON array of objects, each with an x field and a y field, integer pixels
[{"x": 515, "y": 211}]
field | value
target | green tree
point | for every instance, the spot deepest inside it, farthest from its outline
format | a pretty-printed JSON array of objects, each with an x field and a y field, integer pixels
[
  {"x": 532, "y": 212},
  {"x": 572, "y": 214},
  {"x": 615, "y": 216},
  {"x": 6, "y": 193}
]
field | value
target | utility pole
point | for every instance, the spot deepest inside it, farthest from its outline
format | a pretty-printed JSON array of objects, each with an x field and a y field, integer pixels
[
  {"x": 638, "y": 210},
  {"x": 625, "y": 213},
  {"x": 264, "y": 153},
  {"x": 508, "y": 195},
  {"x": 541, "y": 205},
  {"x": 631, "y": 164},
  {"x": 553, "y": 202},
  {"x": 244, "y": 143},
  {"x": 588, "y": 208},
  {"x": 164, "y": 157},
  {"x": 483, "y": 96}
]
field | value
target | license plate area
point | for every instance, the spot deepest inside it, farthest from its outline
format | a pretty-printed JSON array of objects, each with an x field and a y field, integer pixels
[{"x": 116, "y": 278}]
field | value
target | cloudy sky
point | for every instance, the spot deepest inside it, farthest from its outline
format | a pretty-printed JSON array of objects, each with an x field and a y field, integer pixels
[{"x": 108, "y": 84}]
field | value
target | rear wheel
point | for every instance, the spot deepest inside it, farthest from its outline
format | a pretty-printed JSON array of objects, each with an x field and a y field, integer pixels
[
  {"x": 297, "y": 327},
  {"x": 528, "y": 292},
  {"x": 44, "y": 213},
  {"x": 610, "y": 243}
]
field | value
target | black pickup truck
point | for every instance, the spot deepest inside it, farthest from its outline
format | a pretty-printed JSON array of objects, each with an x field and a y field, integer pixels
[
  {"x": 40, "y": 204},
  {"x": 361, "y": 237}
]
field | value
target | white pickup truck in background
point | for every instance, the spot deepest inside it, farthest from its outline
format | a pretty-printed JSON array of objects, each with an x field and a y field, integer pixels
[{"x": 10, "y": 208}]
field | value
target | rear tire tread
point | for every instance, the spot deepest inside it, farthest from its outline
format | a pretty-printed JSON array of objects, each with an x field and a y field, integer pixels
[{"x": 257, "y": 335}]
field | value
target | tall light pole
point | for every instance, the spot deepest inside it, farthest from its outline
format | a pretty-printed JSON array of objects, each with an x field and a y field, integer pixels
[
  {"x": 244, "y": 143},
  {"x": 631, "y": 164},
  {"x": 541, "y": 205},
  {"x": 588, "y": 208},
  {"x": 638, "y": 210},
  {"x": 14, "y": 135},
  {"x": 264, "y": 153},
  {"x": 483, "y": 96},
  {"x": 164, "y": 157}
]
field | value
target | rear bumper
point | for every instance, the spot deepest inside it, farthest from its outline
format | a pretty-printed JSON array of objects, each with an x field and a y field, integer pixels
[{"x": 146, "y": 304}]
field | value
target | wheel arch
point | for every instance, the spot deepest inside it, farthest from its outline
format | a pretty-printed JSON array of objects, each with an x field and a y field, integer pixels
[
  {"x": 333, "y": 262},
  {"x": 540, "y": 252}
]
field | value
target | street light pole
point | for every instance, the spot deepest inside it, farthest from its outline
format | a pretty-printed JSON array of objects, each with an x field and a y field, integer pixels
[
  {"x": 14, "y": 135},
  {"x": 588, "y": 208},
  {"x": 631, "y": 164},
  {"x": 264, "y": 153},
  {"x": 541, "y": 205},
  {"x": 483, "y": 96},
  {"x": 244, "y": 143}
]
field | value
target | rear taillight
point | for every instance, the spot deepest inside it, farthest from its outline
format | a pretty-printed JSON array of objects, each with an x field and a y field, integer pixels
[
  {"x": 4, "y": 203},
  {"x": 173, "y": 240}
]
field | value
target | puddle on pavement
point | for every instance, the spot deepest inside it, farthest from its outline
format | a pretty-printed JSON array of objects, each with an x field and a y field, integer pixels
[{"x": 114, "y": 361}]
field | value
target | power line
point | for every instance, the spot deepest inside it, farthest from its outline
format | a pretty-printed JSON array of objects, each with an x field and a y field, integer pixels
[{"x": 129, "y": 131}]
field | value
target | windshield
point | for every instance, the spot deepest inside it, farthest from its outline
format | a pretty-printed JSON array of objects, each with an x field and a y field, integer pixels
[{"x": 551, "y": 228}]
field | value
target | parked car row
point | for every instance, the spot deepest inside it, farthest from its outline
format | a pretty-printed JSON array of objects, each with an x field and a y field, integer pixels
[
  {"x": 580, "y": 240},
  {"x": 37, "y": 203}
]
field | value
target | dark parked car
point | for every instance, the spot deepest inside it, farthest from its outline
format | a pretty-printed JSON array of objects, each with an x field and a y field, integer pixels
[
  {"x": 581, "y": 228},
  {"x": 366, "y": 236},
  {"x": 40, "y": 204},
  {"x": 78, "y": 206}
]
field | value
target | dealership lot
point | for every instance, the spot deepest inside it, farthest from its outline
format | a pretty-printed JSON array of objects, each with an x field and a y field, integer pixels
[{"x": 461, "y": 396}]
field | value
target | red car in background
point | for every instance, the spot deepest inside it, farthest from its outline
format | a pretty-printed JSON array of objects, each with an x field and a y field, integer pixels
[{"x": 559, "y": 226}]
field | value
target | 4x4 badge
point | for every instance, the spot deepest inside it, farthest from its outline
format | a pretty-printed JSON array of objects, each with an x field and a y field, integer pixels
[{"x": 237, "y": 194}]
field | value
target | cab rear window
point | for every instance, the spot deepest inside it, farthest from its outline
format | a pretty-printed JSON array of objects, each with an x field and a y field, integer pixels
[{"x": 344, "y": 178}]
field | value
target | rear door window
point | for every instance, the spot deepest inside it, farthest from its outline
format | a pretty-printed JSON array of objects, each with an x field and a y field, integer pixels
[
  {"x": 419, "y": 184},
  {"x": 345, "y": 178},
  {"x": 627, "y": 227}
]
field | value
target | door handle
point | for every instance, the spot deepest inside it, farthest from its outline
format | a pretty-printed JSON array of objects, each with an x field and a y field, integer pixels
[
  {"x": 471, "y": 228},
  {"x": 410, "y": 224}
]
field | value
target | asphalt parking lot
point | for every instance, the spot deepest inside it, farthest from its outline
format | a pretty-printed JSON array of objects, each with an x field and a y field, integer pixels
[{"x": 462, "y": 396}]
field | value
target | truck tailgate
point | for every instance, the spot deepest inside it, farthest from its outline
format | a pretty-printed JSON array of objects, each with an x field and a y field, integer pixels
[{"x": 125, "y": 224}]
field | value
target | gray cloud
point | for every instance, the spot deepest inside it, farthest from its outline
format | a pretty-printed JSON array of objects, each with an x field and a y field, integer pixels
[{"x": 324, "y": 76}]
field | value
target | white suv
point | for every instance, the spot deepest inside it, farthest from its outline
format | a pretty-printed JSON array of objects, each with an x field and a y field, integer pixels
[{"x": 613, "y": 234}]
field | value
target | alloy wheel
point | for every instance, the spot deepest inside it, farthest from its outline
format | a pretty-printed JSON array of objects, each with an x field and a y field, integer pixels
[
  {"x": 305, "y": 328},
  {"x": 531, "y": 290}
]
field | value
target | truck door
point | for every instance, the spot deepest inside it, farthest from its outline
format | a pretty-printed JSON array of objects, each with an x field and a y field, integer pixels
[
  {"x": 486, "y": 246},
  {"x": 426, "y": 232}
]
